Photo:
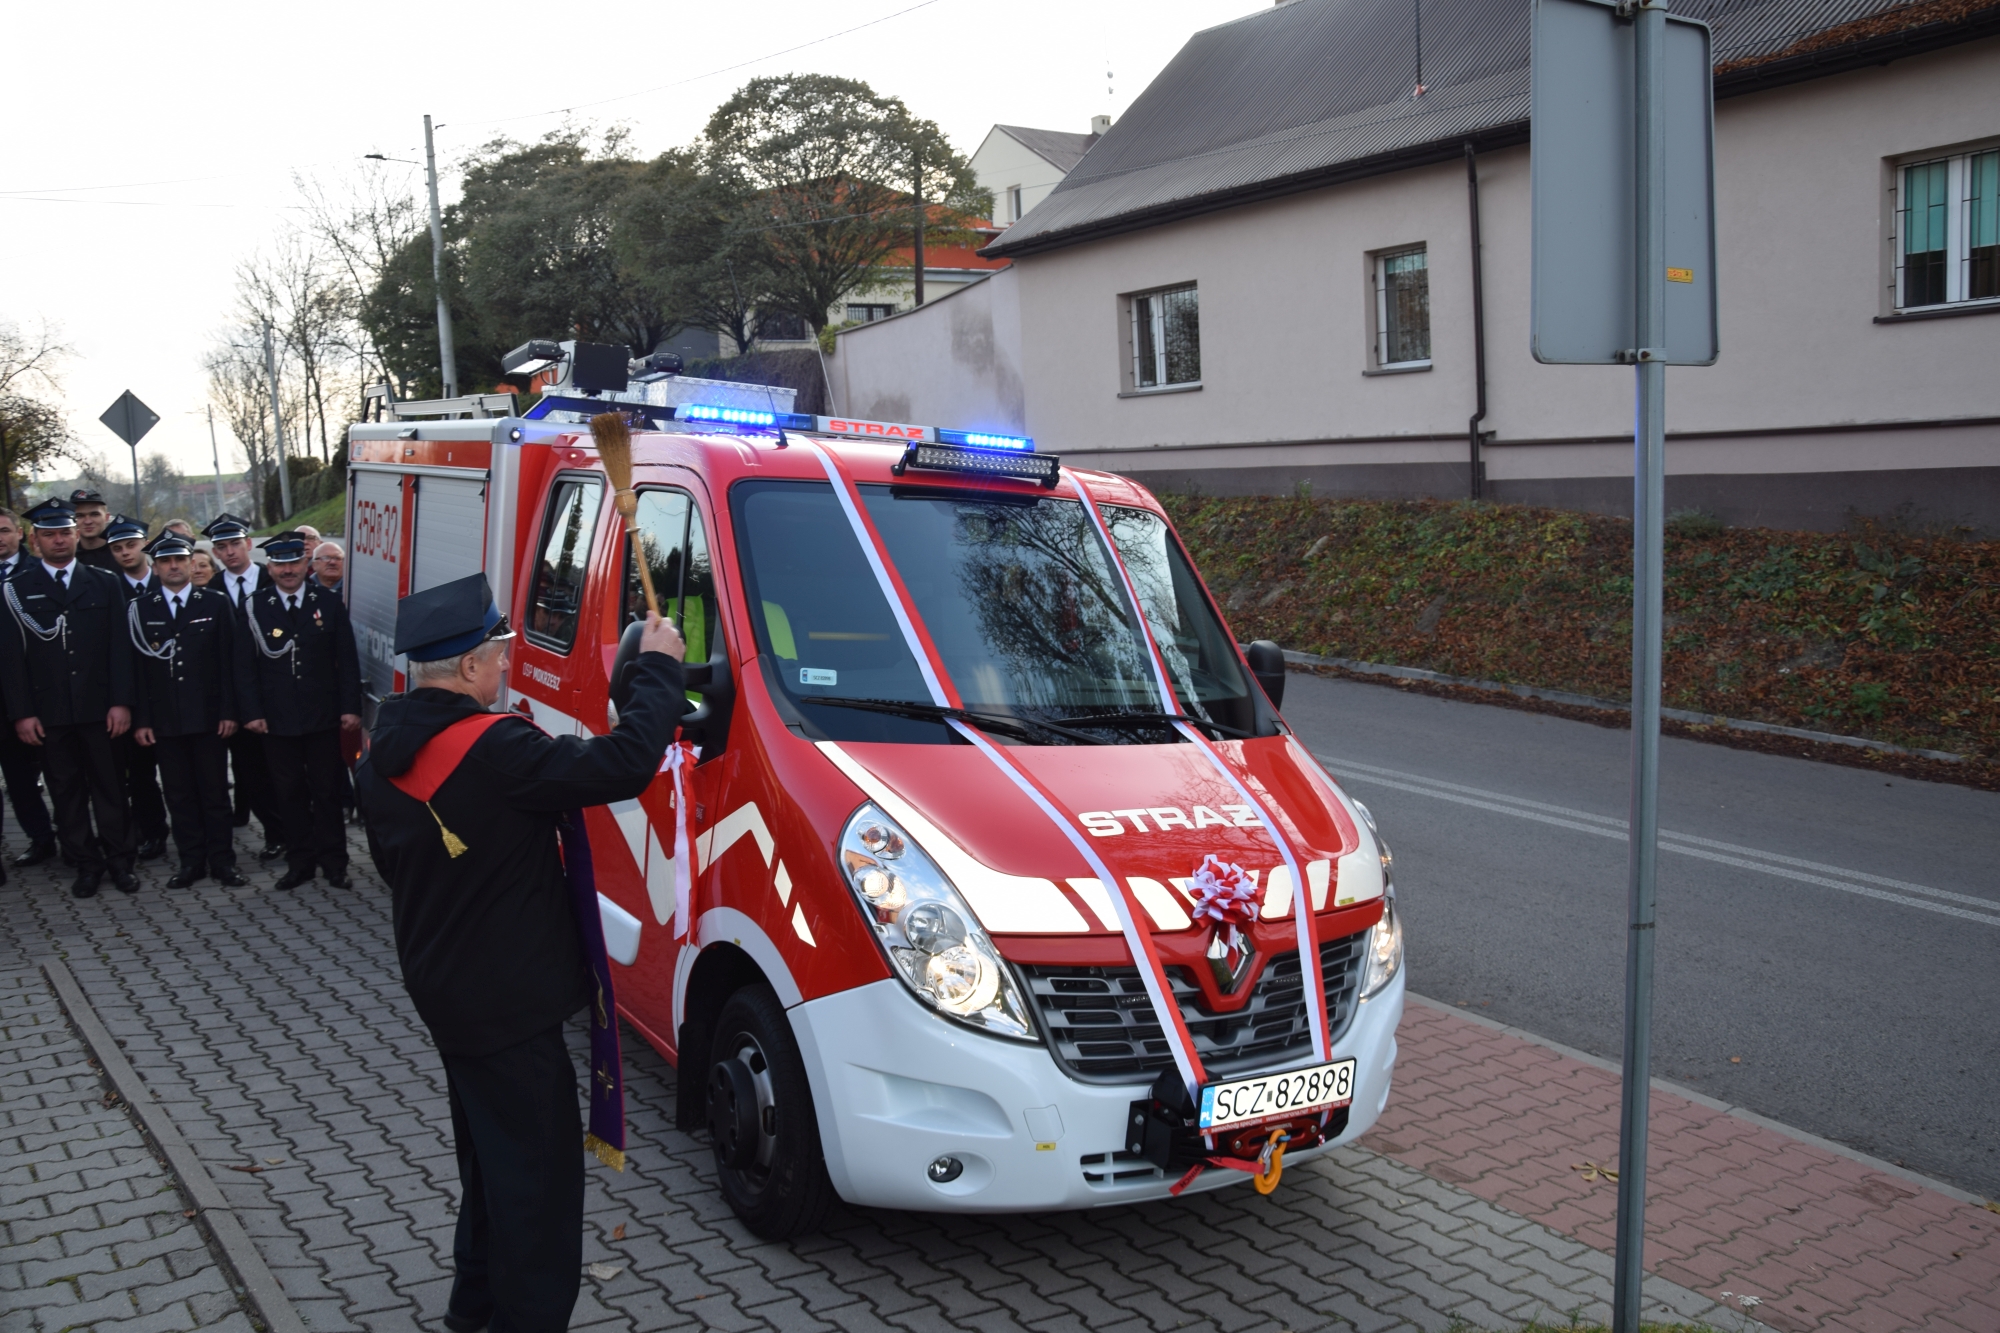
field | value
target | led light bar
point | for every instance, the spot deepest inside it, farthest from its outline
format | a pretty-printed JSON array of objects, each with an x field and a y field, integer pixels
[
  {"x": 1044, "y": 468},
  {"x": 969, "y": 439},
  {"x": 734, "y": 416}
]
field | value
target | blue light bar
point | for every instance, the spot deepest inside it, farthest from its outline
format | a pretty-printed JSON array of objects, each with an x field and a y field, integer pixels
[
  {"x": 735, "y": 416},
  {"x": 972, "y": 439}
]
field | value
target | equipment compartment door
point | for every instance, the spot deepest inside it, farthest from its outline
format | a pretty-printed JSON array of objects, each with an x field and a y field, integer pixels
[
  {"x": 374, "y": 568},
  {"x": 450, "y": 538}
]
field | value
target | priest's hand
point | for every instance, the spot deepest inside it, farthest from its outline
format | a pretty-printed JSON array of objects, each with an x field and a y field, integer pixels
[{"x": 119, "y": 720}]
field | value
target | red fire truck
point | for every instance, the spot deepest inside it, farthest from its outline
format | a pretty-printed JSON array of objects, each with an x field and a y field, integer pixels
[{"x": 995, "y": 880}]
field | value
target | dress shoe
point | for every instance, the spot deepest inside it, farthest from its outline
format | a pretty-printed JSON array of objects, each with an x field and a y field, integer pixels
[
  {"x": 230, "y": 877},
  {"x": 339, "y": 881},
  {"x": 272, "y": 851},
  {"x": 294, "y": 878},
  {"x": 86, "y": 884},
  {"x": 126, "y": 881},
  {"x": 37, "y": 853},
  {"x": 186, "y": 877},
  {"x": 151, "y": 848},
  {"x": 466, "y": 1323}
]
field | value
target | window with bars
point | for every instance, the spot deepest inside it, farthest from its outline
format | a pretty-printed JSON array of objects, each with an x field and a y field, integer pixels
[
  {"x": 1403, "y": 309},
  {"x": 1165, "y": 338},
  {"x": 1948, "y": 230}
]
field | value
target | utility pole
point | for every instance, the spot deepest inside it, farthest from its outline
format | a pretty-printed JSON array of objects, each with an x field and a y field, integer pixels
[
  {"x": 277, "y": 425},
  {"x": 447, "y": 356},
  {"x": 919, "y": 268},
  {"x": 215, "y": 453}
]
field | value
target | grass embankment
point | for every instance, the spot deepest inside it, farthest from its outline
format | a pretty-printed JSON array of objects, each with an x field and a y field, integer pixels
[
  {"x": 1873, "y": 633},
  {"x": 326, "y": 517}
]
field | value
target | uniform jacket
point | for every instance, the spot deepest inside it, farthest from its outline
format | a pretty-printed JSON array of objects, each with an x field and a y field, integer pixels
[
  {"x": 488, "y": 941},
  {"x": 187, "y": 669},
  {"x": 84, "y": 667},
  {"x": 133, "y": 594},
  {"x": 97, "y": 557},
  {"x": 304, "y": 671}
]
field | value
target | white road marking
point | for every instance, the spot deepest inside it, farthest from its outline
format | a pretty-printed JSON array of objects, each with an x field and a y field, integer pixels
[{"x": 1687, "y": 844}]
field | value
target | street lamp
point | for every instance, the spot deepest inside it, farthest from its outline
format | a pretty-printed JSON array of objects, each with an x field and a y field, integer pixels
[{"x": 447, "y": 357}]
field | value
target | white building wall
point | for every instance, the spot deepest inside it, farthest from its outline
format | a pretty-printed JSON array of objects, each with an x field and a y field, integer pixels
[
  {"x": 1002, "y": 161},
  {"x": 955, "y": 362},
  {"x": 1813, "y": 409}
]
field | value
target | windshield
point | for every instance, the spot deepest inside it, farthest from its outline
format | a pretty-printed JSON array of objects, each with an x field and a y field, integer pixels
[{"x": 1026, "y": 611}]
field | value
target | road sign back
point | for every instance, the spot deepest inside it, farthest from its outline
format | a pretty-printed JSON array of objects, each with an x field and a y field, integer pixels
[
  {"x": 1582, "y": 156},
  {"x": 129, "y": 418}
]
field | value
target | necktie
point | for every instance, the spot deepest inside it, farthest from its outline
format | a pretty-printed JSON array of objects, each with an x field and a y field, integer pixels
[
  {"x": 292, "y": 603},
  {"x": 176, "y": 607},
  {"x": 239, "y": 589},
  {"x": 62, "y": 578}
]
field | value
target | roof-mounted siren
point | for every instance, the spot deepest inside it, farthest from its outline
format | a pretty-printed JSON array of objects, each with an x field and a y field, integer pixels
[
  {"x": 591, "y": 369},
  {"x": 979, "y": 451}
]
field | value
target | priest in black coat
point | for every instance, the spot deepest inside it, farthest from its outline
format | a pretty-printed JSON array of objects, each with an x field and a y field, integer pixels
[
  {"x": 490, "y": 949},
  {"x": 189, "y": 657},
  {"x": 303, "y": 686},
  {"x": 66, "y": 664}
]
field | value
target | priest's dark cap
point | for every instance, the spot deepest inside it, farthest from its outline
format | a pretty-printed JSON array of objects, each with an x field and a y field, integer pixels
[
  {"x": 84, "y": 496},
  {"x": 226, "y": 527},
  {"x": 448, "y": 620},
  {"x": 122, "y": 528},
  {"x": 284, "y": 548},
  {"x": 53, "y": 512},
  {"x": 169, "y": 543}
]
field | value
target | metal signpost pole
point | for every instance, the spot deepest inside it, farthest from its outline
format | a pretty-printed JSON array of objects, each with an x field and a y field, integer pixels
[
  {"x": 277, "y": 425},
  {"x": 447, "y": 355},
  {"x": 1648, "y": 481}
]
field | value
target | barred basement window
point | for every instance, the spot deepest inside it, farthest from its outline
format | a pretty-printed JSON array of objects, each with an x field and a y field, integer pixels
[
  {"x": 1948, "y": 230},
  {"x": 1403, "y": 309},
  {"x": 1166, "y": 338}
]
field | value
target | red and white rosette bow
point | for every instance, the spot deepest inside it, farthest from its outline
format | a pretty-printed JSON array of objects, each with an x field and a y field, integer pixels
[{"x": 1226, "y": 899}]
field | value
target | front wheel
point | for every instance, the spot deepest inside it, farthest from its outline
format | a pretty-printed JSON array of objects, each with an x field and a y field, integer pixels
[{"x": 761, "y": 1122}]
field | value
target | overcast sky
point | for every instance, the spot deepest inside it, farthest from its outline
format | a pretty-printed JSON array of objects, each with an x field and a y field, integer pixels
[{"x": 152, "y": 148}]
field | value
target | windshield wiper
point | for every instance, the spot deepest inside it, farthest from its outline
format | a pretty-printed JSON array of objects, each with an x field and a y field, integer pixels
[
  {"x": 1024, "y": 727},
  {"x": 1114, "y": 719}
]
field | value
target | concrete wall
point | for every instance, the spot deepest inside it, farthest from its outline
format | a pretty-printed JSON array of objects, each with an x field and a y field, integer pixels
[
  {"x": 1814, "y": 411},
  {"x": 956, "y": 361}
]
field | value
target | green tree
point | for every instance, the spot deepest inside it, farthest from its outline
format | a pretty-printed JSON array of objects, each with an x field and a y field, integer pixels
[
  {"x": 830, "y": 170},
  {"x": 680, "y": 235}
]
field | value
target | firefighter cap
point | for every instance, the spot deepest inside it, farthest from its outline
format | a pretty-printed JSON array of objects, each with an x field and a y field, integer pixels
[
  {"x": 53, "y": 512},
  {"x": 226, "y": 527},
  {"x": 448, "y": 620},
  {"x": 169, "y": 543},
  {"x": 284, "y": 548},
  {"x": 121, "y": 528}
]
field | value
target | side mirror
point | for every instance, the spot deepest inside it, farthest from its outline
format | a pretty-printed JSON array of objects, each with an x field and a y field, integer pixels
[
  {"x": 709, "y": 679},
  {"x": 1267, "y": 663}
]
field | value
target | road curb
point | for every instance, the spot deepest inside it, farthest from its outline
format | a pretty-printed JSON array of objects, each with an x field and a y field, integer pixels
[
  {"x": 225, "y": 1231},
  {"x": 1712, "y": 1103},
  {"x": 1614, "y": 705}
]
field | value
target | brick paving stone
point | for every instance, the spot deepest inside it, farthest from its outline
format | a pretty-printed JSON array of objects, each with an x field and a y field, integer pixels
[
  {"x": 91, "y": 1229},
  {"x": 275, "y": 1026}
]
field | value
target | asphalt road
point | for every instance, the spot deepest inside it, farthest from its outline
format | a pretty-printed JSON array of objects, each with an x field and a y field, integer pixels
[{"x": 1829, "y": 939}]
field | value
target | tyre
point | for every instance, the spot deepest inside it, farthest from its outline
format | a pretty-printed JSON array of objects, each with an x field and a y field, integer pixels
[{"x": 761, "y": 1122}]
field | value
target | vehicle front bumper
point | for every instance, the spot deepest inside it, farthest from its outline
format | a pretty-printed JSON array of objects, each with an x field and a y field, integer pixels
[{"x": 896, "y": 1087}]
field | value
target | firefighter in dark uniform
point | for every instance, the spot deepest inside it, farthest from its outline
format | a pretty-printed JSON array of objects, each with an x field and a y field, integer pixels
[
  {"x": 238, "y": 577},
  {"x": 66, "y": 664},
  {"x": 125, "y": 538},
  {"x": 490, "y": 950},
  {"x": 190, "y": 655},
  {"x": 92, "y": 515},
  {"x": 22, "y": 764},
  {"x": 303, "y": 686}
]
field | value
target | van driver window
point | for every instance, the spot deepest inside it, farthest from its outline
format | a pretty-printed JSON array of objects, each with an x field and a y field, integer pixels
[
  {"x": 564, "y": 561},
  {"x": 676, "y": 549}
]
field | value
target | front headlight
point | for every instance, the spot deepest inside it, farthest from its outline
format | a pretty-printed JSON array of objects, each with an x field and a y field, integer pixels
[
  {"x": 929, "y": 933},
  {"x": 1385, "y": 951}
]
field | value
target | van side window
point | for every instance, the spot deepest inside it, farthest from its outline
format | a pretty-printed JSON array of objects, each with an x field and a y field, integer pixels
[
  {"x": 676, "y": 547},
  {"x": 564, "y": 560}
]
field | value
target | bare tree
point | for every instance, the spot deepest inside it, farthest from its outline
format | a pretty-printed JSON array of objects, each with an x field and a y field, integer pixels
[
  {"x": 299, "y": 289},
  {"x": 34, "y": 429},
  {"x": 242, "y": 395},
  {"x": 363, "y": 222}
]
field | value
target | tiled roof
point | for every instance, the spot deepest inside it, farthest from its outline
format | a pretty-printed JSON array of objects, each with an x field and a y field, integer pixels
[{"x": 1312, "y": 92}]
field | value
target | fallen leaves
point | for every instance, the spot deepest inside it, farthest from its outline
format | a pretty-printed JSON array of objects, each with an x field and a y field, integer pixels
[
  {"x": 618, "y": 1232},
  {"x": 1593, "y": 1172},
  {"x": 248, "y": 1170},
  {"x": 604, "y": 1272}
]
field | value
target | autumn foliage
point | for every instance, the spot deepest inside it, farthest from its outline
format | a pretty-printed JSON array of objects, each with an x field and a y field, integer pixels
[{"x": 1873, "y": 632}]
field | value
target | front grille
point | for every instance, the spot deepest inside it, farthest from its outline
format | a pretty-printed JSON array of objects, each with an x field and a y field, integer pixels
[{"x": 1102, "y": 1027}]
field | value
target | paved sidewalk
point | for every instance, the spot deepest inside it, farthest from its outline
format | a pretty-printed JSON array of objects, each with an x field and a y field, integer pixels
[
  {"x": 274, "y": 1026},
  {"x": 92, "y": 1232},
  {"x": 1818, "y": 1239}
]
